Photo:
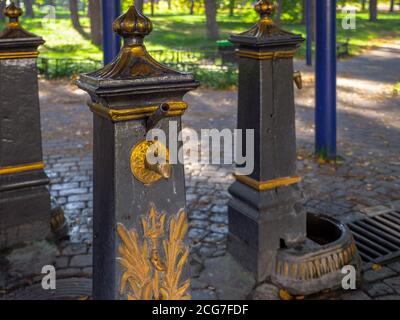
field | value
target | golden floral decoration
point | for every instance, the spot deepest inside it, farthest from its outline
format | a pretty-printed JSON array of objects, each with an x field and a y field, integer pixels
[{"x": 151, "y": 274}]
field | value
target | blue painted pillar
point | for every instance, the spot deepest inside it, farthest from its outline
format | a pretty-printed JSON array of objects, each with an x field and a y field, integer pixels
[
  {"x": 111, "y": 9},
  {"x": 309, "y": 33},
  {"x": 325, "y": 76}
]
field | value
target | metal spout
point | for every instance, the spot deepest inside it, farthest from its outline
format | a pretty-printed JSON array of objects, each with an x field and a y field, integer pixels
[
  {"x": 298, "y": 80},
  {"x": 155, "y": 118},
  {"x": 163, "y": 169}
]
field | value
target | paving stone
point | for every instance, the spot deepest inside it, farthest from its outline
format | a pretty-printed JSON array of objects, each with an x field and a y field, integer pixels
[
  {"x": 219, "y": 218},
  {"x": 196, "y": 234},
  {"x": 394, "y": 283},
  {"x": 203, "y": 294},
  {"x": 75, "y": 249},
  {"x": 215, "y": 238},
  {"x": 198, "y": 215},
  {"x": 379, "y": 289},
  {"x": 191, "y": 197},
  {"x": 83, "y": 260},
  {"x": 231, "y": 281},
  {"x": 355, "y": 295},
  {"x": 195, "y": 284},
  {"x": 62, "y": 262},
  {"x": 195, "y": 269},
  {"x": 30, "y": 259},
  {"x": 198, "y": 224},
  {"x": 219, "y": 253},
  {"x": 80, "y": 198},
  {"x": 266, "y": 291},
  {"x": 64, "y": 186},
  {"x": 69, "y": 272},
  {"x": 88, "y": 271},
  {"x": 395, "y": 266},
  {"x": 207, "y": 251},
  {"x": 69, "y": 192},
  {"x": 219, "y": 228},
  {"x": 375, "y": 275},
  {"x": 75, "y": 205},
  {"x": 219, "y": 209}
]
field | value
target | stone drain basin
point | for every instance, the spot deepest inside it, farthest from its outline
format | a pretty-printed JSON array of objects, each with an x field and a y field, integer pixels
[{"x": 316, "y": 264}]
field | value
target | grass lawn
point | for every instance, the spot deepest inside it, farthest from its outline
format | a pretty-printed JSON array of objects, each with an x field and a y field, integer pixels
[{"x": 178, "y": 30}]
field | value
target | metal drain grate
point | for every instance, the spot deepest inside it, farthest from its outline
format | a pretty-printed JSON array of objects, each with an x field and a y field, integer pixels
[{"x": 377, "y": 237}]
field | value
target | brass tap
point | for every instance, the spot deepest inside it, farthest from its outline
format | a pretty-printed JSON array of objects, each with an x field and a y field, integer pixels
[
  {"x": 298, "y": 79},
  {"x": 164, "y": 169},
  {"x": 160, "y": 113},
  {"x": 147, "y": 171}
]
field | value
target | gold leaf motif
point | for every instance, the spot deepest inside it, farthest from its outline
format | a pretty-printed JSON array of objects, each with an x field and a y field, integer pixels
[{"x": 148, "y": 274}]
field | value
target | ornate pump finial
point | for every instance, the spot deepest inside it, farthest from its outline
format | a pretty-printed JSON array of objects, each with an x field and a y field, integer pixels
[
  {"x": 14, "y": 29},
  {"x": 13, "y": 13},
  {"x": 132, "y": 24},
  {"x": 133, "y": 61},
  {"x": 265, "y": 9},
  {"x": 265, "y": 31}
]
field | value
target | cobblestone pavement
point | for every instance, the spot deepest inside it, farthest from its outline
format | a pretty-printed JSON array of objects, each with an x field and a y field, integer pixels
[{"x": 368, "y": 141}]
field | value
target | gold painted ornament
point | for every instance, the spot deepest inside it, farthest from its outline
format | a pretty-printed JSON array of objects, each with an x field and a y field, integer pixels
[
  {"x": 154, "y": 266},
  {"x": 141, "y": 168}
]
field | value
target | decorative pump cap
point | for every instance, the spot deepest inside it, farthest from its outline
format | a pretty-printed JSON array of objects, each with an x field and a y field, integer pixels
[
  {"x": 14, "y": 30},
  {"x": 265, "y": 33},
  {"x": 132, "y": 24},
  {"x": 13, "y": 13},
  {"x": 133, "y": 60},
  {"x": 265, "y": 9}
]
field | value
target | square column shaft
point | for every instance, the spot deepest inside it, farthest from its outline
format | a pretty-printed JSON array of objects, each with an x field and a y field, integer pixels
[
  {"x": 131, "y": 96},
  {"x": 264, "y": 212},
  {"x": 24, "y": 196}
]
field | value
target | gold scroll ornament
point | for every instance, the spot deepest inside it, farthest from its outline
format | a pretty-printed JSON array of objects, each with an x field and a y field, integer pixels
[{"x": 154, "y": 266}]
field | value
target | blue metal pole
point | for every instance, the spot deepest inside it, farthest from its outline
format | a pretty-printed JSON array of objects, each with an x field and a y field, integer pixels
[
  {"x": 309, "y": 33},
  {"x": 111, "y": 9},
  {"x": 325, "y": 76}
]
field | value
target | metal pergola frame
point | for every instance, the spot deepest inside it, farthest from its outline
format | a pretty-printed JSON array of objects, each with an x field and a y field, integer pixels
[{"x": 325, "y": 66}]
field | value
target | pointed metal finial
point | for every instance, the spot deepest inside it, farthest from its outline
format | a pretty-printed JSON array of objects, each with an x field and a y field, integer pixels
[
  {"x": 13, "y": 13},
  {"x": 132, "y": 24},
  {"x": 265, "y": 9}
]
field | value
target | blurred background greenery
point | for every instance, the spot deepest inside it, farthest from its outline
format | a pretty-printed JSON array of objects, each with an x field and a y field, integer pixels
[{"x": 73, "y": 30}]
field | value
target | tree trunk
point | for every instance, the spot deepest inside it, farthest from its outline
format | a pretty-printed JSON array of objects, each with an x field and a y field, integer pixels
[
  {"x": 211, "y": 19},
  {"x": 313, "y": 19},
  {"x": 303, "y": 12},
  {"x": 363, "y": 4},
  {"x": 391, "y": 5},
  {"x": 139, "y": 5},
  {"x": 29, "y": 8},
  {"x": 152, "y": 7},
  {"x": 96, "y": 25},
  {"x": 191, "y": 7},
  {"x": 73, "y": 8},
  {"x": 373, "y": 10},
  {"x": 231, "y": 7},
  {"x": 169, "y": 4},
  {"x": 279, "y": 12}
]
